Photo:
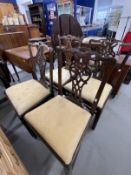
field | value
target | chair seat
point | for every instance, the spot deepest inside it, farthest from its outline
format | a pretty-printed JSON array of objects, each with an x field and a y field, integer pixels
[
  {"x": 65, "y": 75},
  {"x": 26, "y": 95},
  {"x": 61, "y": 124},
  {"x": 90, "y": 90}
]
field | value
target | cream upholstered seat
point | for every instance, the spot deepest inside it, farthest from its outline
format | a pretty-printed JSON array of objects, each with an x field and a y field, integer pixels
[
  {"x": 61, "y": 124},
  {"x": 65, "y": 75},
  {"x": 90, "y": 90},
  {"x": 26, "y": 95}
]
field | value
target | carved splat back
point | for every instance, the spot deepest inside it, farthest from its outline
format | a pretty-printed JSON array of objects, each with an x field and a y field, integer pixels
[
  {"x": 81, "y": 71},
  {"x": 40, "y": 60},
  {"x": 105, "y": 47},
  {"x": 68, "y": 42}
]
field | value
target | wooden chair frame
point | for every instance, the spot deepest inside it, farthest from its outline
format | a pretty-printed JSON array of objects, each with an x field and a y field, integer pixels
[
  {"x": 107, "y": 67},
  {"x": 40, "y": 60}
]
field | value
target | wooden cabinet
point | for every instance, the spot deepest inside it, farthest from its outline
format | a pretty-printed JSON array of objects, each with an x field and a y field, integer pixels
[
  {"x": 5, "y": 9},
  {"x": 37, "y": 16},
  {"x": 65, "y": 7}
]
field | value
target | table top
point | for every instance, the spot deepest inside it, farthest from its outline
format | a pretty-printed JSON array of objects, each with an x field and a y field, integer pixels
[{"x": 23, "y": 52}]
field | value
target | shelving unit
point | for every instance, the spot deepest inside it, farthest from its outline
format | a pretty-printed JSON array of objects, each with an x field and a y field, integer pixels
[{"x": 37, "y": 16}]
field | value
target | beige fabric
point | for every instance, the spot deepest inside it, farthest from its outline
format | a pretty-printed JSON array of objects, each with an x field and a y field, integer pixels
[
  {"x": 61, "y": 124},
  {"x": 65, "y": 75},
  {"x": 25, "y": 95},
  {"x": 86, "y": 40},
  {"x": 90, "y": 90}
]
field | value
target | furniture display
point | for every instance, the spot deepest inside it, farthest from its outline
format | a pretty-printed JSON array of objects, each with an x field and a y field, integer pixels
[
  {"x": 37, "y": 16},
  {"x": 9, "y": 160}
]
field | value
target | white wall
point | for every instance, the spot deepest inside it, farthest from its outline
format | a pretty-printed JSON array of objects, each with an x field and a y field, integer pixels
[
  {"x": 100, "y": 4},
  {"x": 23, "y": 6},
  {"x": 126, "y": 13}
]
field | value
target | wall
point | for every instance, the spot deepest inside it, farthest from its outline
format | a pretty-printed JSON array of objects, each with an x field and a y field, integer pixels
[
  {"x": 126, "y": 13},
  {"x": 23, "y": 7},
  {"x": 100, "y": 4}
]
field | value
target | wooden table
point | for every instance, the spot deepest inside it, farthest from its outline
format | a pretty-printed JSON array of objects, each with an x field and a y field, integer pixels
[
  {"x": 9, "y": 161},
  {"x": 20, "y": 57}
]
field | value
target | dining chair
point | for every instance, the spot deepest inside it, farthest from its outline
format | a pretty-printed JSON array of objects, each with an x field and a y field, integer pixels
[
  {"x": 62, "y": 122},
  {"x": 29, "y": 94},
  {"x": 65, "y": 42},
  {"x": 105, "y": 47},
  {"x": 97, "y": 90}
]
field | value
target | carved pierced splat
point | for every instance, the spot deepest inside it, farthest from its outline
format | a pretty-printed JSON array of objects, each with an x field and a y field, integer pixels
[
  {"x": 40, "y": 60},
  {"x": 105, "y": 47},
  {"x": 80, "y": 73},
  {"x": 68, "y": 42}
]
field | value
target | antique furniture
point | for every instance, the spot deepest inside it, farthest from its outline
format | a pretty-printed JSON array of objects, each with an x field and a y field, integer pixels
[
  {"x": 21, "y": 95},
  {"x": 9, "y": 41},
  {"x": 9, "y": 160},
  {"x": 67, "y": 42},
  {"x": 37, "y": 16},
  {"x": 97, "y": 89},
  {"x": 61, "y": 123},
  {"x": 14, "y": 48}
]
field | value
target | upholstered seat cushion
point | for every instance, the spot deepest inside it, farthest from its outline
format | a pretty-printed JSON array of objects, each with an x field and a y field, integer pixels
[
  {"x": 65, "y": 75},
  {"x": 90, "y": 90},
  {"x": 61, "y": 124},
  {"x": 25, "y": 95}
]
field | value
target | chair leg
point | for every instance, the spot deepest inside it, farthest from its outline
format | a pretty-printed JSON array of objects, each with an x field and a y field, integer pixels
[
  {"x": 96, "y": 119},
  {"x": 68, "y": 170},
  {"x": 32, "y": 133},
  {"x": 15, "y": 71}
]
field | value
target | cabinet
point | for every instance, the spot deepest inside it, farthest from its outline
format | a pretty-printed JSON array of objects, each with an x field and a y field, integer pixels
[
  {"x": 65, "y": 7},
  {"x": 5, "y": 9},
  {"x": 37, "y": 16}
]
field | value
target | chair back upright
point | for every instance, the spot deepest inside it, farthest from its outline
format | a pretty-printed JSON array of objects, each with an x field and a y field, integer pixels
[{"x": 40, "y": 61}]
